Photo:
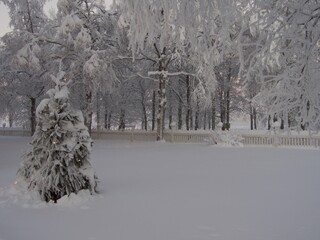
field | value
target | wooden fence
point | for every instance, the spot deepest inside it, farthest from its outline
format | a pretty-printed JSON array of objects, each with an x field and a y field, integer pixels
[
  {"x": 200, "y": 137},
  {"x": 193, "y": 137},
  {"x": 14, "y": 132}
]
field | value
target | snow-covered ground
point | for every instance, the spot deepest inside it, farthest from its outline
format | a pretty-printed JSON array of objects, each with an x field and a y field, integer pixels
[{"x": 163, "y": 191}]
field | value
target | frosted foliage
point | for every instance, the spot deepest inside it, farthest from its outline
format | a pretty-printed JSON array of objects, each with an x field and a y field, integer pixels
[
  {"x": 204, "y": 30},
  {"x": 63, "y": 5},
  {"x": 27, "y": 56},
  {"x": 195, "y": 22},
  {"x": 83, "y": 39},
  {"x": 26, "y": 15},
  {"x": 286, "y": 59},
  {"x": 92, "y": 64},
  {"x": 96, "y": 69},
  {"x": 58, "y": 163},
  {"x": 225, "y": 138},
  {"x": 69, "y": 23}
]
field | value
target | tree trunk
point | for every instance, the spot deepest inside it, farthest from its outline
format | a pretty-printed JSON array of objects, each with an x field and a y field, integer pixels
[
  {"x": 122, "y": 124},
  {"x": 269, "y": 122},
  {"x": 170, "y": 110},
  {"x": 153, "y": 110},
  {"x": 213, "y": 111},
  {"x": 188, "y": 114},
  {"x": 255, "y": 118},
  {"x": 106, "y": 119},
  {"x": 227, "y": 96},
  {"x": 98, "y": 112},
  {"x": 144, "y": 124},
  {"x": 180, "y": 114},
  {"x": 145, "y": 119},
  {"x": 196, "y": 123},
  {"x": 228, "y": 109},
  {"x": 222, "y": 107},
  {"x": 106, "y": 112},
  {"x": 205, "y": 120},
  {"x": 162, "y": 103},
  {"x": 109, "y": 120},
  {"x": 88, "y": 111},
  {"x": 11, "y": 117},
  {"x": 251, "y": 117},
  {"x": 33, "y": 115},
  {"x": 170, "y": 117}
]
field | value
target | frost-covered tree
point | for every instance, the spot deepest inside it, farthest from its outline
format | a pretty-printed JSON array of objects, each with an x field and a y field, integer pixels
[
  {"x": 58, "y": 163},
  {"x": 26, "y": 61},
  {"x": 172, "y": 26},
  {"x": 285, "y": 59},
  {"x": 82, "y": 45}
]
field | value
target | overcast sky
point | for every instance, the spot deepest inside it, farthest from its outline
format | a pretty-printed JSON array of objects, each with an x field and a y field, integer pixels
[{"x": 4, "y": 16}]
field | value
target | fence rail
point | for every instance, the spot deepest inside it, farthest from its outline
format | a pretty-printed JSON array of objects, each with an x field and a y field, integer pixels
[
  {"x": 192, "y": 137},
  {"x": 200, "y": 137},
  {"x": 282, "y": 140},
  {"x": 14, "y": 132}
]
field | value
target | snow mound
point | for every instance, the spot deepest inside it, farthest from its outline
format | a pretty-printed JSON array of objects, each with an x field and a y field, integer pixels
[
  {"x": 75, "y": 200},
  {"x": 18, "y": 195},
  {"x": 225, "y": 138}
]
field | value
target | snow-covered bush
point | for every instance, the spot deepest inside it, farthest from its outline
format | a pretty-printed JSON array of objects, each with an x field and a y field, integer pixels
[
  {"x": 225, "y": 138},
  {"x": 58, "y": 163}
]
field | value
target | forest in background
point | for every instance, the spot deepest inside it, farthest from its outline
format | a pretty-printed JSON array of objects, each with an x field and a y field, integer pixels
[{"x": 162, "y": 64}]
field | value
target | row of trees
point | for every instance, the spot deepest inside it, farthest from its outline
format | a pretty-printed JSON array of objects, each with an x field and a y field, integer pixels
[{"x": 166, "y": 63}]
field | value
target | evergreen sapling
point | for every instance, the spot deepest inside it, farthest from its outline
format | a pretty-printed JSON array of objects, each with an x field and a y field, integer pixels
[{"x": 58, "y": 162}]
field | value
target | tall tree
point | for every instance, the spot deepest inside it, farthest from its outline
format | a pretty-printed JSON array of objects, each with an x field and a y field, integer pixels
[
  {"x": 286, "y": 59},
  {"x": 26, "y": 63},
  {"x": 83, "y": 46},
  {"x": 202, "y": 26}
]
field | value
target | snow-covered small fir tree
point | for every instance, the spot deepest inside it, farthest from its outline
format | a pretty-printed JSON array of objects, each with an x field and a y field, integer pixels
[{"x": 58, "y": 163}]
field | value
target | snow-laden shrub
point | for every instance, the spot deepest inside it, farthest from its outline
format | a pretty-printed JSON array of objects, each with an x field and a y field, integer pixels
[
  {"x": 225, "y": 138},
  {"x": 58, "y": 163}
]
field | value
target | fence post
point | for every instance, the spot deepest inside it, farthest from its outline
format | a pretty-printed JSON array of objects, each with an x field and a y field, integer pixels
[
  {"x": 172, "y": 126},
  {"x": 131, "y": 135}
]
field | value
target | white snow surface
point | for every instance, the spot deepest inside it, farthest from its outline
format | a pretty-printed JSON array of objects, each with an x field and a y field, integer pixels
[{"x": 163, "y": 191}]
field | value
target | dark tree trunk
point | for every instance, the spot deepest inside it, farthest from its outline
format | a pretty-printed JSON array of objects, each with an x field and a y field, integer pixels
[
  {"x": 33, "y": 115},
  {"x": 222, "y": 107},
  {"x": 88, "y": 111},
  {"x": 269, "y": 122},
  {"x": 180, "y": 114},
  {"x": 227, "y": 96},
  {"x": 162, "y": 104},
  {"x": 153, "y": 110},
  {"x": 11, "y": 117},
  {"x": 282, "y": 124},
  {"x": 227, "y": 125},
  {"x": 106, "y": 119},
  {"x": 255, "y": 118},
  {"x": 122, "y": 124},
  {"x": 109, "y": 120},
  {"x": 170, "y": 110},
  {"x": 251, "y": 117},
  {"x": 188, "y": 114},
  {"x": 144, "y": 122},
  {"x": 145, "y": 118},
  {"x": 196, "y": 124},
  {"x": 213, "y": 111},
  {"x": 98, "y": 112}
]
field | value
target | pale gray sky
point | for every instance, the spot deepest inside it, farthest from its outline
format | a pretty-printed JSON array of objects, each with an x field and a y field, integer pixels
[{"x": 4, "y": 16}]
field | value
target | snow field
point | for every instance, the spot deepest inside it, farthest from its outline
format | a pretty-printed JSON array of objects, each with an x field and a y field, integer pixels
[{"x": 162, "y": 191}]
